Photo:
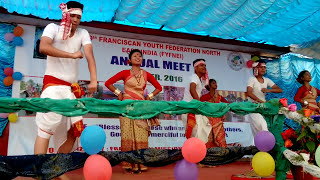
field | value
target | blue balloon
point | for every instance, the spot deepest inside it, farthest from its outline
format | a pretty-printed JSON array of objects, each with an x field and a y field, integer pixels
[
  {"x": 93, "y": 139},
  {"x": 18, "y": 41},
  {"x": 185, "y": 170},
  {"x": 17, "y": 76}
]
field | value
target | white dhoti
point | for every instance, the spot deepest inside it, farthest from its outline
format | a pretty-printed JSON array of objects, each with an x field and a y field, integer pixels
[
  {"x": 257, "y": 123},
  {"x": 52, "y": 123},
  {"x": 202, "y": 128}
]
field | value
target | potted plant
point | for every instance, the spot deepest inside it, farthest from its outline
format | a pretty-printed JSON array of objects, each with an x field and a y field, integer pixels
[{"x": 302, "y": 143}]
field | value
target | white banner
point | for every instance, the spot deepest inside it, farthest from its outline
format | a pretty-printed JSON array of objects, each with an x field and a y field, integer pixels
[
  {"x": 170, "y": 135},
  {"x": 171, "y": 65}
]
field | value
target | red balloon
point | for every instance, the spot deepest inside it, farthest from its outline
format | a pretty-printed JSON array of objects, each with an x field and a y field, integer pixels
[
  {"x": 194, "y": 150},
  {"x": 8, "y": 71},
  {"x": 97, "y": 167},
  {"x": 249, "y": 64}
]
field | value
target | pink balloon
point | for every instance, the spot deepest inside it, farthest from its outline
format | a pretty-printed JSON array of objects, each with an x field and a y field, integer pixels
[
  {"x": 8, "y": 71},
  {"x": 4, "y": 115},
  {"x": 194, "y": 150},
  {"x": 9, "y": 37},
  {"x": 97, "y": 167}
]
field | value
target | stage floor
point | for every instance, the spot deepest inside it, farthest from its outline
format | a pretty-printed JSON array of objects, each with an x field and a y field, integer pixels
[{"x": 223, "y": 172}]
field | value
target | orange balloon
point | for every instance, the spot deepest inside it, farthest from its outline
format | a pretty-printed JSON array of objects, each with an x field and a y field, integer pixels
[
  {"x": 18, "y": 31},
  {"x": 8, "y": 81}
]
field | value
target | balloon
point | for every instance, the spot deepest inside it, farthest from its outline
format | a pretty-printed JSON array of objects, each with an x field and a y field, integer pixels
[
  {"x": 263, "y": 164},
  {"x": 194, "y": 150},
  {"x": 18, "y": 31},
  {"x": 264, "y": 141},
  {"x": 317, "y": 156},
  {"x": 4, "y": 115},
  {"x": 17, "y": 76},
  {"x": 249, "y": 64},
  {"x": 185, "y": 170},
  {"x": 9, "y": 37},
  {"x": 13, "y": 117},
  {"x": 93, "y": 139},
  {"x": 18, "y": 41},
  {"x": 8, "y": 71},
  {"x": 255, "y": 58},
  {"x": 8, "y": 81},
  {"x": 97, "y": 167}
]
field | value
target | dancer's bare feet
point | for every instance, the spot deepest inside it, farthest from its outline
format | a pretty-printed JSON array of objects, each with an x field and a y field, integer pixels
[
  {"x": 135, "y": 168},
  {"x": 62, "y": 177},
  {"x": 143, "y": 168}
]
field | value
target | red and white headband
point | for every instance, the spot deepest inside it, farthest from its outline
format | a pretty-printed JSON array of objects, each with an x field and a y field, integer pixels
[
  {"x": 256, "y": 64},
  {"x": 199, "y": 62}
]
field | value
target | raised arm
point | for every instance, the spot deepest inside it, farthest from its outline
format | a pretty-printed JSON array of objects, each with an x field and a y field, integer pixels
[
  {"x": 252, "y": 96},
  {"x": 155, "y": 83},
  {"x": 223, "y": 100},
  {"x": 47, "y": 48},
  {"x": 275, "y": 89},
  {"x": 109, "y": 83}
]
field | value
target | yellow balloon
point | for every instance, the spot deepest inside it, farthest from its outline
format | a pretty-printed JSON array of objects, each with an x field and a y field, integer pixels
[
  {"x": 263, "y": 164},
  {"x": 13, "y": 117}
]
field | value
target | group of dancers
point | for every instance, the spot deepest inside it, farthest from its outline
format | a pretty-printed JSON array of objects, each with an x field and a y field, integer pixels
[{"x": 62, "y": 44}]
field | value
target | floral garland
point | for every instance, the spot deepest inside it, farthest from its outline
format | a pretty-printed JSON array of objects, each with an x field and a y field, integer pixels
[
  {"x": 303, "y": 117},
  {"x": 300, "y": 118}
]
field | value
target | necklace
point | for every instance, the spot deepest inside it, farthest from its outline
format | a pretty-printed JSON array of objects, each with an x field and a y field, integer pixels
[
  {"x": 310, "y": 90},
  {"x": 214, "y": 97},
  {"x": 137, "y": 76}
]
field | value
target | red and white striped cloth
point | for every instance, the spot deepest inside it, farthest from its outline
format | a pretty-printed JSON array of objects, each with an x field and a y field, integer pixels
[
  {"x": 66, "y": 24},
  {"x": 205, "y": 78}
]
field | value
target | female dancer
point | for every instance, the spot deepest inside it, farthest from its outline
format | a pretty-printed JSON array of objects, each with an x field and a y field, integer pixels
[{"x": 134, "y": 133}]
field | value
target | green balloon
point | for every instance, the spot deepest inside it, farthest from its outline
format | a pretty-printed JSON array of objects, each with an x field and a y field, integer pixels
[
  {"x": 317, "y": 156},
  {"x": 255, "y": 58}
]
